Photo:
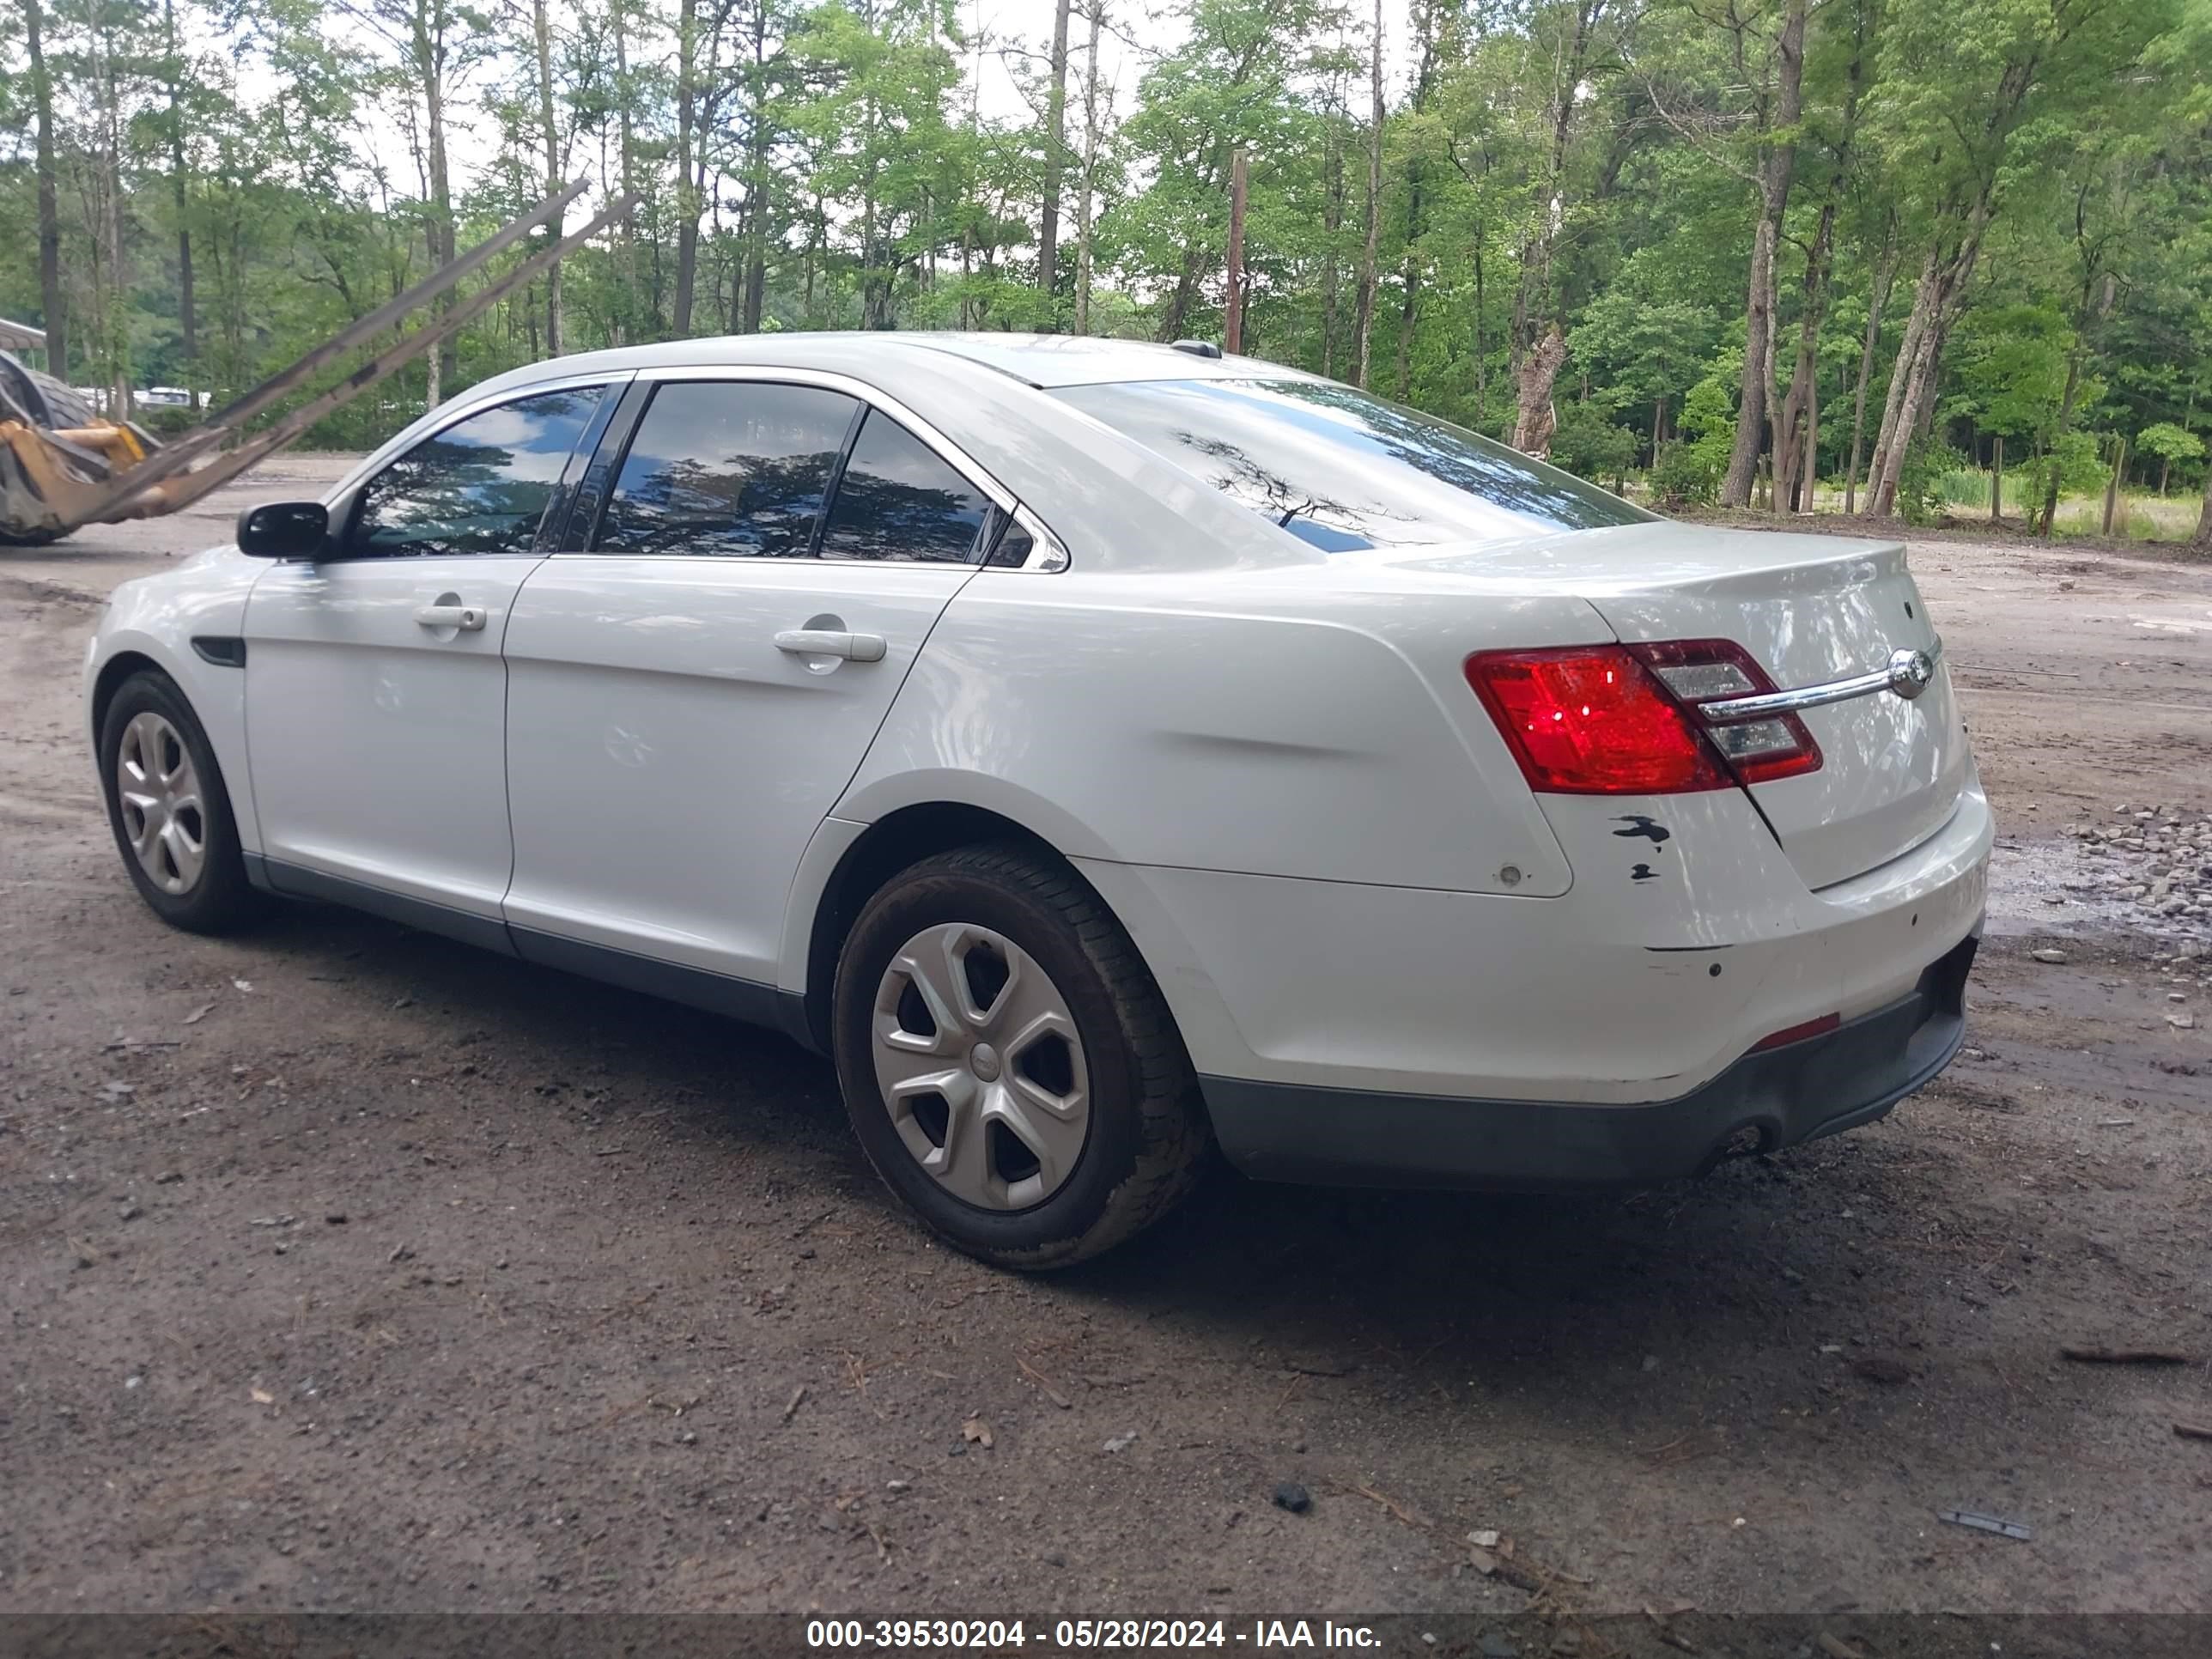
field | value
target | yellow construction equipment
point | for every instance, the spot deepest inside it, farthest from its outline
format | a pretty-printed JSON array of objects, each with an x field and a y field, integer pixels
[{"x": 63, "y": 465}]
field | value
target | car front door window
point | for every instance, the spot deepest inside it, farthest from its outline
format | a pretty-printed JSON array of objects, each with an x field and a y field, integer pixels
[{"x": 481, "y": 486}]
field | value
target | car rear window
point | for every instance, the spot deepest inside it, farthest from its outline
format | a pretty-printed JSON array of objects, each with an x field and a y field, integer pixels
[
  {"x": 734, "y": 468},
  {"x": 1344, "y": 471},
  {"x": 897, "y": 500}
]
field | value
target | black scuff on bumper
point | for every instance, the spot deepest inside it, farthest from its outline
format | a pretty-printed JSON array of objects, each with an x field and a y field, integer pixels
[{"x": 1819, "y": 1086}]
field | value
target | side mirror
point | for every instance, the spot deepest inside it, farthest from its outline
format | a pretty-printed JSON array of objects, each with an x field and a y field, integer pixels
[{"x": 284, "y": 530}]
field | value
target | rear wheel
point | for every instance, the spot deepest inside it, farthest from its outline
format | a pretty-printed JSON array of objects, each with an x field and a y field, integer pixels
[
  {"x": 170, "y": 812},
  {"x": 1008, "y": 1064}
]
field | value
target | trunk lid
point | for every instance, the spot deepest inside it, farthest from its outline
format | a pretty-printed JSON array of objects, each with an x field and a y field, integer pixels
[{"x": 1812, "y": 610}]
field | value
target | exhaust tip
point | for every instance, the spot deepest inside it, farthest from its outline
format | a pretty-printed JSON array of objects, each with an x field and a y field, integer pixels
[{"x": 1745, "y": 1140}]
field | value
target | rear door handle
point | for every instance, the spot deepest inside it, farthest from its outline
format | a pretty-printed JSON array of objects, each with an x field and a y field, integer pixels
[
  {"x": 829, "y": 642},
  {"x": 468, "y": 618}
]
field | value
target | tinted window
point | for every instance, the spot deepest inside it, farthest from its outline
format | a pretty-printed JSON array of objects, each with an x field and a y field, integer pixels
[
  {"x": 480, "y": 486},
  {"x": 729, "y": 467},
  {"x": 1013, "y": 547},
  {"x": 1344, "y": 471},
  {"x": 898, "y": 500}
]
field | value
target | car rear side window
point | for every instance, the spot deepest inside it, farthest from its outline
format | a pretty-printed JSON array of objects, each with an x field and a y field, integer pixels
[
  {"x": 478, "y": 487},
  {"x": 898, "y": 500},
  {"x": 1344, "y": 471},
  {"x": 735, "y": 468}
]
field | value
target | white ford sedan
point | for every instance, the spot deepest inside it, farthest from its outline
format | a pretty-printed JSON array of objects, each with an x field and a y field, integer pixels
[{"x": 1102, "y": 750}]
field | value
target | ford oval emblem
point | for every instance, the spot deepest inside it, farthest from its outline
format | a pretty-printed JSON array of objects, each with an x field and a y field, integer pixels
[{"x": 1909, "y": 672}]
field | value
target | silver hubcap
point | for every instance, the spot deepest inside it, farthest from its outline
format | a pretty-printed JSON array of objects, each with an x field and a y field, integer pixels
[
  {"x": 158, "y": 792},
  {"x": 981, "y": 1067}
]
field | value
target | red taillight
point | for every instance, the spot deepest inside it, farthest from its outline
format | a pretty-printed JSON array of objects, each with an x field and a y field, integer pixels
[
  {"x": 1702, "y": 673},
  {"x": 1787, "y": 1034},
  {"x": 1611, "y": 720},
  {"x": 1592, "y": 720}
]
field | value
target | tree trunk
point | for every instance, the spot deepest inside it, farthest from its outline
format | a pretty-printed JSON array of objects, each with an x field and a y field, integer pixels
[
  {"x": 1778, "y": 162},
  {"x": 1331, "y": 223},
  {"x": 187, "y": 309},
  {"x": 1877, "y": 301},
  {"x": 1056, "y": 146},
  {"x": 428, "y": 20},
  {"x": 1089, "y": 173},
  {"x": 1808, "y": 468},
  {"x": 1481, "y": 368},
  {"x": 115, "y": 313},
  {"x": 1233, "y": 332},
  {"x": 687, "y": 197},
  {"x": 1540, "y": 367},
  {"x": 2112, "y": 489},
  {"x": 2202, "y": 541},
  {"x": 551, "y": 136},
  {"x": 625, "y": 105},
  {"x": 1996, "y": 479},
  {"x": 1908, "y": 349},
  {"x": 1801, "y": 449},
  {"x": 757, "y": 184},
  {"x": 1366, "y": 323},
  {"x": 2065, "y": 418},
  {"x": 1408, "y": 305},
  {"x": 50, "y": 303}
]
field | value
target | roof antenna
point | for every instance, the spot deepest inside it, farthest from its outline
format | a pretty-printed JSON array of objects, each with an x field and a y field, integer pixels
[{"x": 1197, "y": 348}]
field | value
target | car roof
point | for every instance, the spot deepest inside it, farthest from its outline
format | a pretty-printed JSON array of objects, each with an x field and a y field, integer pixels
[{"x": 1038, "y": 360}]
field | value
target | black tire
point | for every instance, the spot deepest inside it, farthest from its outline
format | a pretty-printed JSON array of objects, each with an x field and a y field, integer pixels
[
  {"x": 31, "y": 537},
  {"x": 31, "y": 395},
  {"x": 222, "y": 900},
  {"x": 47, "y": 400},
  {"x": 1147, "y": 1139}
]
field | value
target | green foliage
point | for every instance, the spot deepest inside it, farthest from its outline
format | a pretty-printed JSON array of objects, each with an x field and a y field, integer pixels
[
  {"x": 2170, "y": 442},
  {"x": 2076, "y": 459},
  {"x": 1920, "y": 482},
  {"x": 1687, "y": 475},
  {"x": 862, "y": 164},
  {"x": 1588, "y": 444},
  {"x": 2009, "y": 363}
]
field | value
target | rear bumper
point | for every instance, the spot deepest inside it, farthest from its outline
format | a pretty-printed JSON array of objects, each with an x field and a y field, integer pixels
[{"x": 1819, "y": 1086}]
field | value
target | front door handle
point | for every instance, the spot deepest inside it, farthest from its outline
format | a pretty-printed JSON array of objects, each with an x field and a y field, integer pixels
[
  {"x": 829, "y": 642},
  {"x": 468, "y": 618}
]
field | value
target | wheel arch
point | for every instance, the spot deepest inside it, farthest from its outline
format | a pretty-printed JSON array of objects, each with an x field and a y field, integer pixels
[
  {"x": 214, "y": 694},
  {"x": 113, "y": 672},
  {"x": 880, "y": 850}
]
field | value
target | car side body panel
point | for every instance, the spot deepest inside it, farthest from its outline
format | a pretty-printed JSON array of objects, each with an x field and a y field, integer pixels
[{"x": 1237, "y": 722}]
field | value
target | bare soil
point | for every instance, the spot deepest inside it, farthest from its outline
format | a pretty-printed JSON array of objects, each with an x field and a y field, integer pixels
[{"x": 344, "y": 1268}]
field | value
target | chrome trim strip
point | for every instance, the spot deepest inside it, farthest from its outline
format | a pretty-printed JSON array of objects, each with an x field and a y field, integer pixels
[{"x": 1805, "y": 696}]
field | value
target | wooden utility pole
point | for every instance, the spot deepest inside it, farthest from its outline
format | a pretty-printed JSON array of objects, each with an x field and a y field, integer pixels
[
  {"x": 1996, "y": 478},
  {"x": 1235, "y": 330}
]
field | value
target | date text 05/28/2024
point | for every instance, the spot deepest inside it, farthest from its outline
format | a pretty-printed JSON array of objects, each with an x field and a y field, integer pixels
[{"x": 1083, "y": 1635}]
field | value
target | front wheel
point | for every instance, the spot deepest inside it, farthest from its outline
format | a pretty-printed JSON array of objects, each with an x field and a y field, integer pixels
[
  {"x": 170, "y": 812},
  {"x": 1008, "y": 1064}
]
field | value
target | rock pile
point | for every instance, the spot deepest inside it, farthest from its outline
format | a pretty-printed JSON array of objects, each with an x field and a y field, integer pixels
[{"x": 2155, "y": 858}]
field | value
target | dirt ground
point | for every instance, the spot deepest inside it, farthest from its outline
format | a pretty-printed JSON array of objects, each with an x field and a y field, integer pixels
[{"x": 344, "y": 1268}]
